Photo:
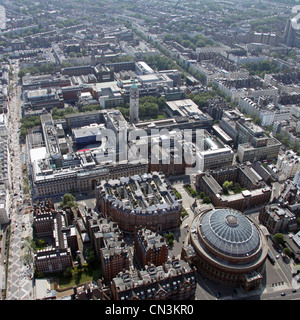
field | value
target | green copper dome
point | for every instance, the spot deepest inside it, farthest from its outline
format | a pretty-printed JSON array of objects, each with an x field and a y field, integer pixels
[{"x": 134, "y": 85}]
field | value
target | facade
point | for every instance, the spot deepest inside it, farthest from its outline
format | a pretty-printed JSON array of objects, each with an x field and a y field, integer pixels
[
  {"x": 77, "y": 120},
  {"x": 289, "y": 129},
  {"x": 253, "y": 192},
  {"x": 53, "y": 225},
  {"x": 266, "y": 114},
  {"x": 227, "y": 247},
  {"x": 174, "y": 280},
  {"x": 289, "y": 193},
  {"x": 4, "y": 206},
  {"x": 250, "y": 86},
  {"x": 150, "y": 247},
  {"x": 134, "y": 103},
  {"x": 110, "y": 248},
  {"x": 43, "y": 223},
  {"x": 288, "y": 164},
  {"x": 214, "y": 158},
  {"x": 249, "y": 152},
  {"x": 139, "y": 200},
  {"x": 47, "y": 99},
  {"x": 250, "y": 132},
  {"x": 45, "y": 81},
  {"x": 291, "y": 35},
  {"x": 88, "y": 134},
  {"x": 277, "y": 219},
  {"x": 218, "y": 67},
  {"x": 48, "y": 181},
  {"x": 5, "y": 162},
  {"x": 52, "y": 260}
]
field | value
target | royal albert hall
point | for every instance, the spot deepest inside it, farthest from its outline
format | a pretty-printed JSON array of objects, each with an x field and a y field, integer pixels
[{"x": 228, "y": 248}]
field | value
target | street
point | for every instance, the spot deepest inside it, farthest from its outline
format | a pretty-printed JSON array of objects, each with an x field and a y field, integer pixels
[{"x": 20, "y": 270}]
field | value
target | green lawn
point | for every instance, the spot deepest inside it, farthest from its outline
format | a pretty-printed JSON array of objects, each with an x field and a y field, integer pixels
[{"x": 85, "y": 276}]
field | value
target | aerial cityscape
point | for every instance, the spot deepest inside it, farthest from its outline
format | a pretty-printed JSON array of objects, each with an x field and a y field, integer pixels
[{"x": 150, "y": 150}]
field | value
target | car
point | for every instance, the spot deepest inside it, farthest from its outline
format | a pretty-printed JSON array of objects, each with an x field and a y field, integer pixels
[
  {"x": 294, "y": 290},
  {"x": 186, "y": 225},
  {"x": 277, "y": 256},
  {"x": 283, "y": 294}
]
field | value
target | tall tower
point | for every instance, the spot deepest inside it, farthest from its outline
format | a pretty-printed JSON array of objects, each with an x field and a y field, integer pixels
[
  {"x": 289, "y": 33},
  {"x": 134, "y": 103}
]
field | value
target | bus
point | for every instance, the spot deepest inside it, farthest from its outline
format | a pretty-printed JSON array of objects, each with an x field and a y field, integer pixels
[{"x": 270, "y": 257}]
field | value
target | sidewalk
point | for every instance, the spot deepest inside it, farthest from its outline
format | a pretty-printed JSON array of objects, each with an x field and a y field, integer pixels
[{"x": 240, "y": 294}]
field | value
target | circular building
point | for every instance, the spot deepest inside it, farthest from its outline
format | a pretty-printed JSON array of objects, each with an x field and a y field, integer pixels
[
  {"x": 227, "y": 247},
  {"x": 144, "y": 200}
]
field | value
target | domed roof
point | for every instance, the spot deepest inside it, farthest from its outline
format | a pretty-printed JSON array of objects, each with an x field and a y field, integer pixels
[{"x": 229, "y": 232}]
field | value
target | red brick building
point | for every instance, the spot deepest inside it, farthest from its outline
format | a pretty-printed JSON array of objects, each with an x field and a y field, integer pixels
[
  {"x": 150, "y": 247},
  {"x": 141, "y": 200}
]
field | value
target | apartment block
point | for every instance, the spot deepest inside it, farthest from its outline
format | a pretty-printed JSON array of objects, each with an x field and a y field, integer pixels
[
  {"x": 145, "y": 200},
  {"x": 150, "y": 247},
  {"x": 253, "y": 190},
  {"x": 110, "y": 247},
  {"x": 174, "y": 280},
  {"x": 52, "y": 225},
  {"x": 52, "y": 260},
  {"x": 249, "y": 152},
  {"x": 277, "y": 219}
]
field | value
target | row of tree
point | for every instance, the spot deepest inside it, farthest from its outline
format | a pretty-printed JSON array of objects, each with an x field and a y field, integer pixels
[
  {"x": 42, "y": 69},
  {"x": 278, "y": 239},
  {"x": 150, "y": 107},
  {"x": 197, "y": 41},
  {"x": 261, "y": 68}
]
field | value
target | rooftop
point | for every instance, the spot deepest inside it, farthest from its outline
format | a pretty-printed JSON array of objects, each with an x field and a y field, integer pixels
[{"x": 147, "y": 194}]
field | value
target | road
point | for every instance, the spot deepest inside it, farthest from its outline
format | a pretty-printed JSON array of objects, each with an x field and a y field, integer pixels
[{"x": 19, "y": 275}]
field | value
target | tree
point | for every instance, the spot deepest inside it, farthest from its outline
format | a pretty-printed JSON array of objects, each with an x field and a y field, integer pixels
[
  {"x": 295, "y": 147},
  {"x": 287, "y": 252},
  {"x": 227, "y": 185},
  {"x": 265, "y": 65},
  {"x": 161, "y": 102},
  {"x": 90, "y": 257},
  {"x": 206, "y": 200},
  {"x": 68, "y": 201},
  {"x": 21, "y": 73},
  {"x": 76, "y": 273},
  {"x": 41, "y": 242},
  {"x": 202, "y": 194},
  {"x": 170, "y": 238},
  {"x": 278, "y": 238},
  {"x": 148, "y": 110},
  {"x": 285, "y": 141},
  {"x": 67, "y": 272},
  {"x": 78, "y": 259}
]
